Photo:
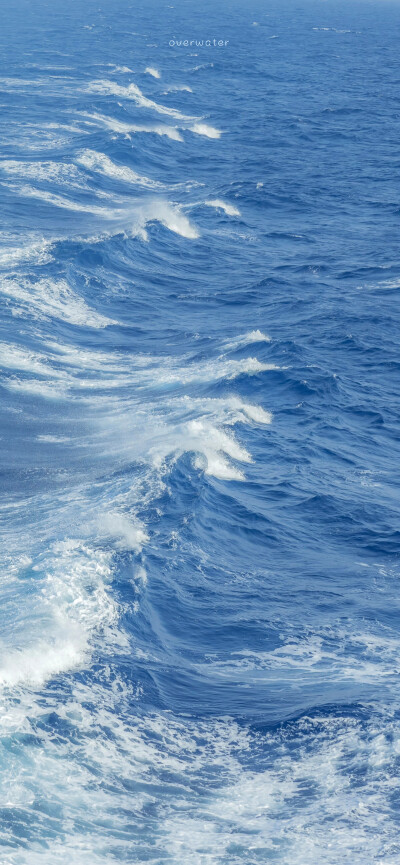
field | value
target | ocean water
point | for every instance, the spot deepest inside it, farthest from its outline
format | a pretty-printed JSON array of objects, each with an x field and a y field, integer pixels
[{"x": 199, "y": 283}]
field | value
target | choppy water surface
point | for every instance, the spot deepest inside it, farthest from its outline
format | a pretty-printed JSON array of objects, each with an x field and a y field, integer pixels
[{"x": 199, "y": 284}]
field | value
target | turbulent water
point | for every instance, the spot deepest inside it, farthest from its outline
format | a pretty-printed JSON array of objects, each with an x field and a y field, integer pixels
[{"x": 199, "y": 282}]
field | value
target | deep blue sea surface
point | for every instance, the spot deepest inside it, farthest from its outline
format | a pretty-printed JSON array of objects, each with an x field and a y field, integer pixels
[{"x": 199, "y": 351}]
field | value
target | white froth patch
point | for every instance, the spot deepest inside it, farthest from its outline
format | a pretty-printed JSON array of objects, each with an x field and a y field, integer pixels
[
  {"x": 48, "y": 299},
  {"x": 35, "y": 253},
  {"x": 229, "y": 209},
  {"x": 253, "y": 336},
  {"x": 16, "y": 357},
  {"x": 228, "y": 410},
  {"x": 214, "y": 445},
  {"x": 40, "y": 663},
  {"x": 57, "y": 172},
  {"x": 127, "y": 128},
  {"x": 50, "y": 439},
  {"x": 215, "y": 370},
  {"x": 124, "y": 69},
  {"x": 104, "y": 165},
  {"x": 150, "y": 70},
  {"x": 64, "y": 203},
  {"x": 171, "y": 217},
  {"x": 175, "y": 88},
  {"x": 204, "y": 129},
  {"x": 75, "y": 603},
  {"x": 129, "y": 535},
  {"x": 35, "y": 387},
  {"x": 132, "y": 91}
]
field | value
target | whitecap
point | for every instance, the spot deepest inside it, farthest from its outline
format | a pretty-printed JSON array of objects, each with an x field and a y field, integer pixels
[
  {"x": 171, "y": 217},
  {"x": 150, "y": 70},
  {"x": 204, "y": 129},
  {"x": 229, "y": 209},
  {"x": 248, "y": 339}
]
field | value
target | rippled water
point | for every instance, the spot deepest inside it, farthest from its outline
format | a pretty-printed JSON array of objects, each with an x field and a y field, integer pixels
[{"x": 199, "y": 280}]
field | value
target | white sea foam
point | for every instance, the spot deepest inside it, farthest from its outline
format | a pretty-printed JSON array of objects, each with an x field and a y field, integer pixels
[
  {"x": 23, "y": 82},
  {"x": 37, "y": 252},
  {"x": 64, "y": 203},
  {"x": 132, "y": 91},
  {"x": 50, "y": 439},
  {"x": 210, "y": 444},
  {"x": 124, "y": 69},
  {"x": 170, "y": 216},
  {"x": 37, "y": 388},
  {"x": 75, "y": 601},
  {"x": 128, "y": 533},
  {"x": 104, "y": 165},
  {"x": 229, "y": 209},
  {"x": 17, "y": 357},
  {"x": 249, "y": 338},
  {"x": 214, "y": 443},
  {"x": 49, "y": 298},
  {"x": 202, "y": 66},
  {"x": 151, "y": 71},
  {"x": 68, "y": 127},
  {"x": 227, "y": 410},
  {"x": 205, "y": 129},
  {"x": 213, "y": 370},
  {"x": 122, "y": 128},
  {"x": 176, "y": 88},
  {"x": 44, "y": 171}
]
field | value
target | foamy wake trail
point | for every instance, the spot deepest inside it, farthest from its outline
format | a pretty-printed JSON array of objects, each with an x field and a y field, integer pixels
[
  {"x": 229, "y": 209},
  {"x": 49, "y": 298},
  {"x": 151, "y": 71}
]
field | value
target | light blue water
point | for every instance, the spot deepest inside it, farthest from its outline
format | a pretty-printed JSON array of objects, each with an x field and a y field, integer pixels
[{"x": 199, "y": 283}]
